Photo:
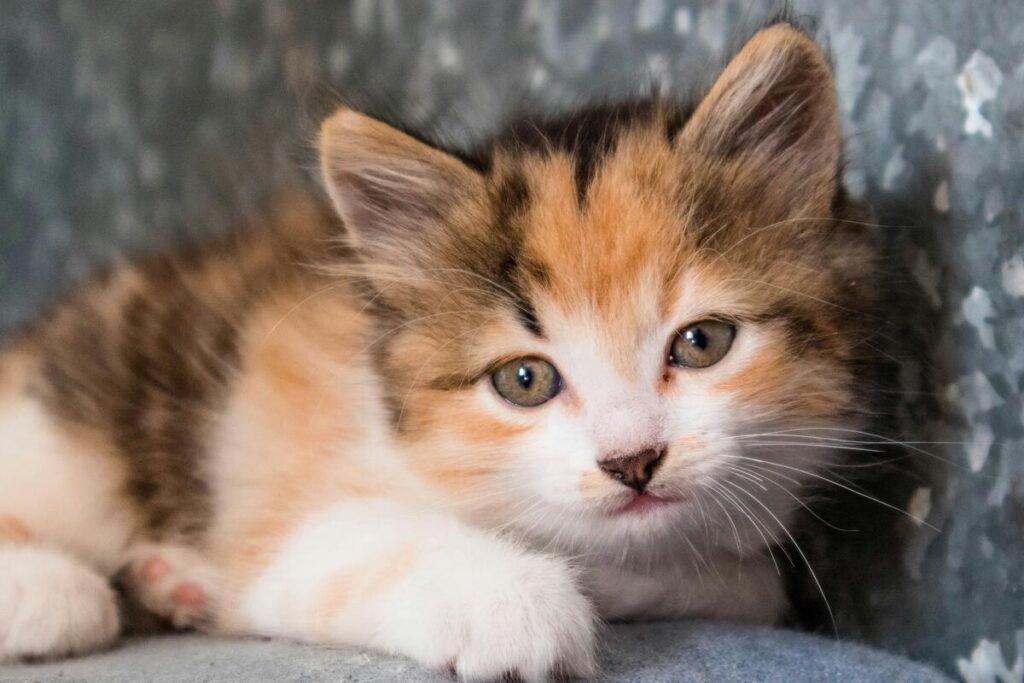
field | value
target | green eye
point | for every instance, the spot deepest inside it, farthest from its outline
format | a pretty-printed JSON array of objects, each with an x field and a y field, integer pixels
[
  {"x": 701, "y": 344},
  {"x": 527, "y": 382}
]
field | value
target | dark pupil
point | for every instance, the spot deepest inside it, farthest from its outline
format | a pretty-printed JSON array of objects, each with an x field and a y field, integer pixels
[
  {"x": 697, "y": 338},
  {"x": 525, "y": 376}
]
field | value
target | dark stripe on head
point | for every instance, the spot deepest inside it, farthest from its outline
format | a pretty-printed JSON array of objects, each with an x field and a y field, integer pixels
[
  {"x": 513, "y": 198},
  {"x": 528, "y": 317},
  {"x": 587, "y": 136},
  {"x": 512, "y": 277}
]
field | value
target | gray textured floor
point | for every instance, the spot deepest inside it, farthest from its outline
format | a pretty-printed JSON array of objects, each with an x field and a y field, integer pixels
[{"x": 642, "y": 653}]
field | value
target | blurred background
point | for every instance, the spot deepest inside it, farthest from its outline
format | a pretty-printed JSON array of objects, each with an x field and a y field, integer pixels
[{"x": 132, "y": 126}]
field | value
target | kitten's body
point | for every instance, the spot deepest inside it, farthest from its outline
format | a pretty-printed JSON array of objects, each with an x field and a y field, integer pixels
[{"x": 286, "y": 437}]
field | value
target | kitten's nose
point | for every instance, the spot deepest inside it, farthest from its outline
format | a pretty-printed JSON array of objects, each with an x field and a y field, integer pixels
[{"x": 634, "y": 471}]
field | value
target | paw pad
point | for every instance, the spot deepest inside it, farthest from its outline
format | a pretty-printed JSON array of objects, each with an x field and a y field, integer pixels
[
  {"x": 154, "y": 569},
  {"x": 188, "y": 594},
  {"x": 172, "y": 582}
]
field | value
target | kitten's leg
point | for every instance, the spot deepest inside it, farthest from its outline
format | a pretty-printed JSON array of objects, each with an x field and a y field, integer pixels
[
  {"x": 63, "y": 529},
  {"x": 51, "y": 605},
  {"x": 412, "y": 582},
  {"x": 173, "y": 582}
]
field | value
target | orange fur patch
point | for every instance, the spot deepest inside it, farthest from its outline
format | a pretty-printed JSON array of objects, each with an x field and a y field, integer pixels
[
  {"x": 484, "y": 440},
  {"x": 13, "y": 530},
  {"x": 795, "y": 385},
  {"x": 16, "y": 366},
  {"x": 364, "y": 582},
  {"x": 299, "y": 417},
  {"x": 593, "y": 483}
]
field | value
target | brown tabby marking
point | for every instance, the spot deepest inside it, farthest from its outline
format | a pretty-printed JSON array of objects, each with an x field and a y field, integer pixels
[{"x": 146, "y": 355}]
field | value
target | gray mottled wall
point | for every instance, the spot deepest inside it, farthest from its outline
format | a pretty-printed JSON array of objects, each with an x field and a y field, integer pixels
[{"x": 134, "y": 125}]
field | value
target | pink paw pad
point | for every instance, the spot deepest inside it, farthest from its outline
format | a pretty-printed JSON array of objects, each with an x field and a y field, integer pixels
[
  {"x": 188, "y": 594},
  {"x": 154, "y": 569},
  {"x": 173, "y": 582}
]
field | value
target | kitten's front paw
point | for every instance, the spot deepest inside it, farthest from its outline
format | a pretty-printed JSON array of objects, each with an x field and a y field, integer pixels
[
  {"x": 522, "y": 618},
  {"x": 52, "y": 605}
]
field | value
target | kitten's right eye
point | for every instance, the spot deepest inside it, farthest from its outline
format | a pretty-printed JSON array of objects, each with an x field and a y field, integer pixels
[{"x": 527, "y": 382}]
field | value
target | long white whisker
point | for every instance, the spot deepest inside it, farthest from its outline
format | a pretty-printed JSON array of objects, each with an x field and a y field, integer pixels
[
  {"x": 833, "y": 482},
  {"x": 755, "y": 522},
  {"x": 800, "y": 551}
]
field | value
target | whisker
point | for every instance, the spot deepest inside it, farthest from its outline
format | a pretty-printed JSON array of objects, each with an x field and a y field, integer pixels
[
  {"x": 732, "y": 523},
  {"x": 829, "y": 447},
  {"x": 799, "y": 550},
  {"x": 833, "y": 482},
  {"x": 755, "y": 523},
  {"x": 767, "y": 476}
]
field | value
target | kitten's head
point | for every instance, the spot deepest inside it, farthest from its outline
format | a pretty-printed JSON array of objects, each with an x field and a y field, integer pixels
[{"x": 647, "y": 299}]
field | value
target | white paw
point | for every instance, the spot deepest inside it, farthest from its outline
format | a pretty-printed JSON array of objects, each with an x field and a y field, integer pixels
[
  {"x": 52, "y": 605},
  {"x": 520, "y": 618},
  {"x": 173, "y": 582}
]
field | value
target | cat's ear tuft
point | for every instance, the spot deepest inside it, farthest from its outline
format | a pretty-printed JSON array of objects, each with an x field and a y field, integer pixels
[
  {"x": 774, "y": 105},
  {"x": 389, "y": 188}
]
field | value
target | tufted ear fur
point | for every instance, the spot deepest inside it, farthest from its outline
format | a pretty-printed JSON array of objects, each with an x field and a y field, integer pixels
[
  {"x": 392, "y": 191},
  {"x": 773, "y": 112}
]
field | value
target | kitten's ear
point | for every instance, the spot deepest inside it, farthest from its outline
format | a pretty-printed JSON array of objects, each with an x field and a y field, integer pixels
[
  {"x": 390, "y": 189},
  {"x": 774, "y": 107}
]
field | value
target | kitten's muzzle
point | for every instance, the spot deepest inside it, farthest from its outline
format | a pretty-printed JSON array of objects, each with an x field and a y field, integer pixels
[{"x": 634, "y": 470}]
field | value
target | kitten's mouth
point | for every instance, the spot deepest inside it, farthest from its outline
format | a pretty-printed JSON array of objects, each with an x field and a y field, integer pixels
[{"x": 643, "y": 503}]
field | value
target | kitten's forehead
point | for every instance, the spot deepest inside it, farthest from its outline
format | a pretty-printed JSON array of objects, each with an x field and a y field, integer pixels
[{"x": 612, "y": 257}]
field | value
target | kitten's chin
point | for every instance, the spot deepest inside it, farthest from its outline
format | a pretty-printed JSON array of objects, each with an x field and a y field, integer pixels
[
  {"x": 640, "y": 523},
  {"x": 645, "y": 504}
]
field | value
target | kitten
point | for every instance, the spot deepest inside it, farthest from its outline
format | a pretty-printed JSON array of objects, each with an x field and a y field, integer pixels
[{"x": 579, "y": 374}]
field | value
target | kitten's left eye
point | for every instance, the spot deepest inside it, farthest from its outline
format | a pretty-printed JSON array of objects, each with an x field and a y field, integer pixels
[
  {"x": 527, "y": 382},
  {"x": 701, "y": 344}
]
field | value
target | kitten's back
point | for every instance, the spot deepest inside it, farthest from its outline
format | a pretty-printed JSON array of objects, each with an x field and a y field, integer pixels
[{"x": 138, "y": 362}]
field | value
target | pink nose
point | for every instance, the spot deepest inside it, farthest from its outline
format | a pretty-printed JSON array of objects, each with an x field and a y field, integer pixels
[{"x": 634, "y": 471}]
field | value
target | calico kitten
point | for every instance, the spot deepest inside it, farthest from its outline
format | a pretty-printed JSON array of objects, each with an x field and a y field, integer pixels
[{"x": 577, "y": 375}]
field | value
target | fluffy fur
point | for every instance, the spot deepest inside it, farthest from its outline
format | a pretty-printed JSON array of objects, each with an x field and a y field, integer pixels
[{"x": 294, "y": 433}]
